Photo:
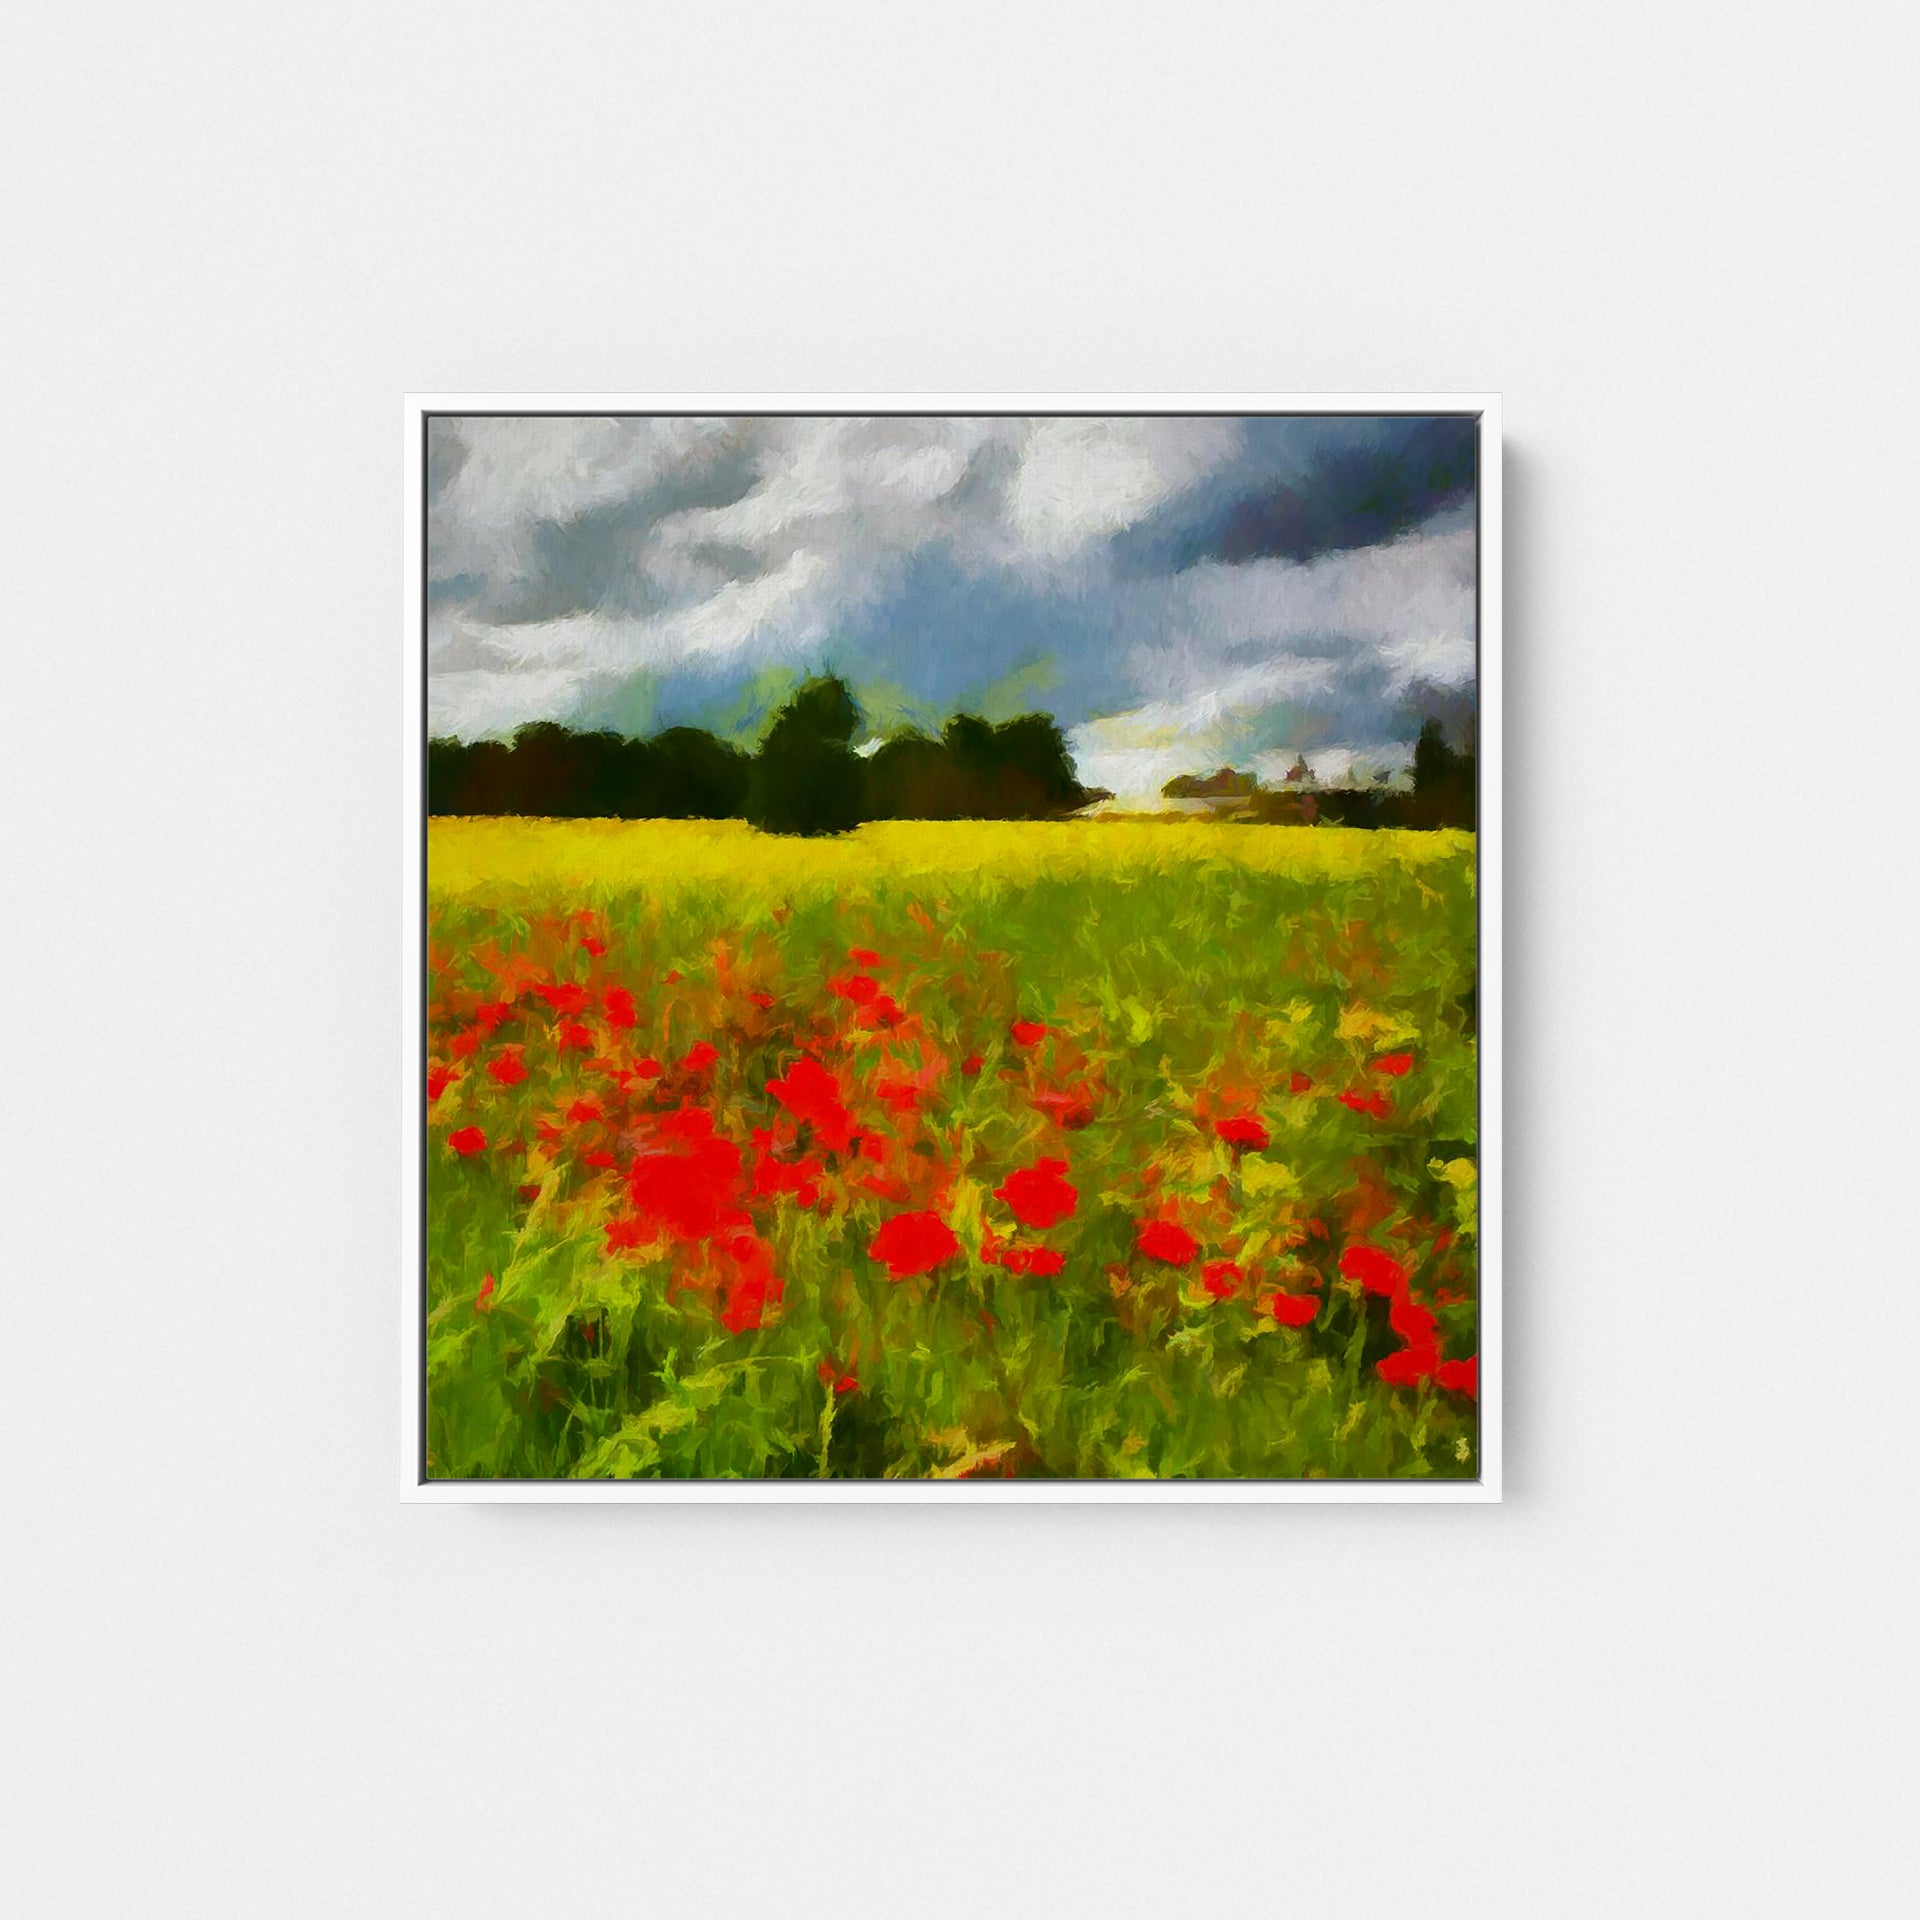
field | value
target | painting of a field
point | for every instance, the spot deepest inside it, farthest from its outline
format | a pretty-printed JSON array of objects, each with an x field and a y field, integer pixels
[
  {"x": 942, "y": 1149},
  {"x": 950, "y": 951}
]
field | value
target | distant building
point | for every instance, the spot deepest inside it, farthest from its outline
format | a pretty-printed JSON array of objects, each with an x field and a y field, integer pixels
[{"x": 1225, "y": 784}]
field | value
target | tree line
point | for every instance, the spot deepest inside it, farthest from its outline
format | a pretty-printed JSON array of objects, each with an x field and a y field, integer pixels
[
  {"x": 1444, "y": 792},
  {"x": 804, "y": 777}
]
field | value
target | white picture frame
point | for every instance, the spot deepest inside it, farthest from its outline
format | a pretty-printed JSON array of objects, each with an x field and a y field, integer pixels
[{"x": 415, "y": 1487}]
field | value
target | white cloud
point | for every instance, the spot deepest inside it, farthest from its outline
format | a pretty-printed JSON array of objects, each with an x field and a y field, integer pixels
[
  {"x": 1407, "y": 606},
  {"x": 1081, "y": 479},
  {"x": 576, "y": 553},
  {"x": 514, "y": 473},
  {"x": 1255, "y": 664}
]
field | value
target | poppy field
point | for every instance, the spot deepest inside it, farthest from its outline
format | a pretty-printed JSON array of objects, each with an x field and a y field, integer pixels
[{"x": 1055, "y": 1149}]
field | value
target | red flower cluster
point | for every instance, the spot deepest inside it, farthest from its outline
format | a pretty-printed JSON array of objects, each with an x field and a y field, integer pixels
[
  {"x": 1040, "y": 1195},
  {"x": 751, "y": 1285},
  {"x": 1167, "y": 1241},
  {"x": 866, "y": 1107},
  {"x": 1222, "y": 1278},
  {"x": 913, "y": 1243},
  {"x": 686, "y": 1187},
  {"x": 1419, "y": 1359},
  {"x": 1294, "y": 1309},
  {"x": 1042, "y": 1262},
  {"x": 809, "y": 1092},
  {"x": 1376, "y": 1270}
]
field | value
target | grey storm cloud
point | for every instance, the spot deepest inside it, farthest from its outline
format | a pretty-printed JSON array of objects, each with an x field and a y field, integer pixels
[{"x": 1181, "y": 587}]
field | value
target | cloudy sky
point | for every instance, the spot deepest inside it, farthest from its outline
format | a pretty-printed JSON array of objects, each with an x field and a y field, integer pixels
[{"x": 1180, "y": 592}]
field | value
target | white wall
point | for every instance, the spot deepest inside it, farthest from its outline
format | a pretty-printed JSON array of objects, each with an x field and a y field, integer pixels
[{"x": 1674, "y": 1673}]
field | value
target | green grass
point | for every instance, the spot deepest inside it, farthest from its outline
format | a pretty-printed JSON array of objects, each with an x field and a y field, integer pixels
[{"x": 1187, "y": 974}]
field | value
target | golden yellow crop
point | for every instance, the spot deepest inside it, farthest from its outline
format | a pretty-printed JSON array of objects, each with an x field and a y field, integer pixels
[{"x": 658, "y": 856}]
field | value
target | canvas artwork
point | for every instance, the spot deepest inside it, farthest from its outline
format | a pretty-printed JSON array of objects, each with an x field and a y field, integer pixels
[{"x": 949, "y": 946}]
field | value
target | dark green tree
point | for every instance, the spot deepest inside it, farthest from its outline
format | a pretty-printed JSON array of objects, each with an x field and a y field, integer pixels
[
  {"x": 691, "y": 775},
  {"x": 806, "y": 777}
]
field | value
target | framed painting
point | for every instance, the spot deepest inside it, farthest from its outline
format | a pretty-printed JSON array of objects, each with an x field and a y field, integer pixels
[{"x": 952, "y": 948}]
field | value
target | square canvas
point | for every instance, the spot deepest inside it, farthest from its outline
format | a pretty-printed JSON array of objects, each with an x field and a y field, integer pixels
[{"x": 952, "y": 949}]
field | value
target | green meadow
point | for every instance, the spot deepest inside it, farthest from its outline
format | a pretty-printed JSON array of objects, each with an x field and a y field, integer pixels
[{"x": 1083, "y": 1149}]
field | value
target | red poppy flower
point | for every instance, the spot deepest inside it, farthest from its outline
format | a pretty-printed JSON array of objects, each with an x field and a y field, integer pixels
[
  {"x": 439, "y": 1079},
  {"x": 648, "y": 1069},
  {"x": 1222, "y": 1278},
  {"x": 752, "y": 1288},
  {"x": 831, "y": 1376},
  {"x": 1460, "y": 1376},
  {"x": 467, "y": 1140},
  {"x": 575, "y": 1038},
  {"x": 1029, "y": 1033},
  {"x": 507, "y": 1067},
  {"x": 1168, "y": 1241},
  {"x": 699, "y": 1057},
  {"x": 1294, "y": 1309},
  {"x": 863, "y": 956},
  {"x": 1040, "y": 1195},
  {"x": 672, "y": 976},
  {"x": 885, "y": 1011},
  {"x": 1394, "y": 1064},
  {"x": 912, "y": 1243},
  {"x": 619, "y": 1005},
  {"x": 1299, "y": 1083},
  {"x": 761, "y": 1000},
  {"x": 585, "y": 1110},
  {"x": 602, "y": 1160},
  {"x": 464, "y": 1042},
  {"x": 1414, "y": 1323},
  {"x": 860, "y": 988},
  {"x": 485, "y": 1294},
  {"x": 972, "y": 1065},
  {"x": 1409, "y": 1366},
  {"x": 1376, "y": 1104},
  {"x": 688, "y": 1187},
  {"x": 491, "y": 1013},
  {"x": 1244, "y": 1131},
  {"x": 801, "y": 1178},
  {"x": 564, "y": 999},
  {"x": 1042, "y": 1262},
  {"x": 531, "y": 1191},
  {"x": 810, "y": 1092},
  {"x": 1375, "y": 1269}
]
